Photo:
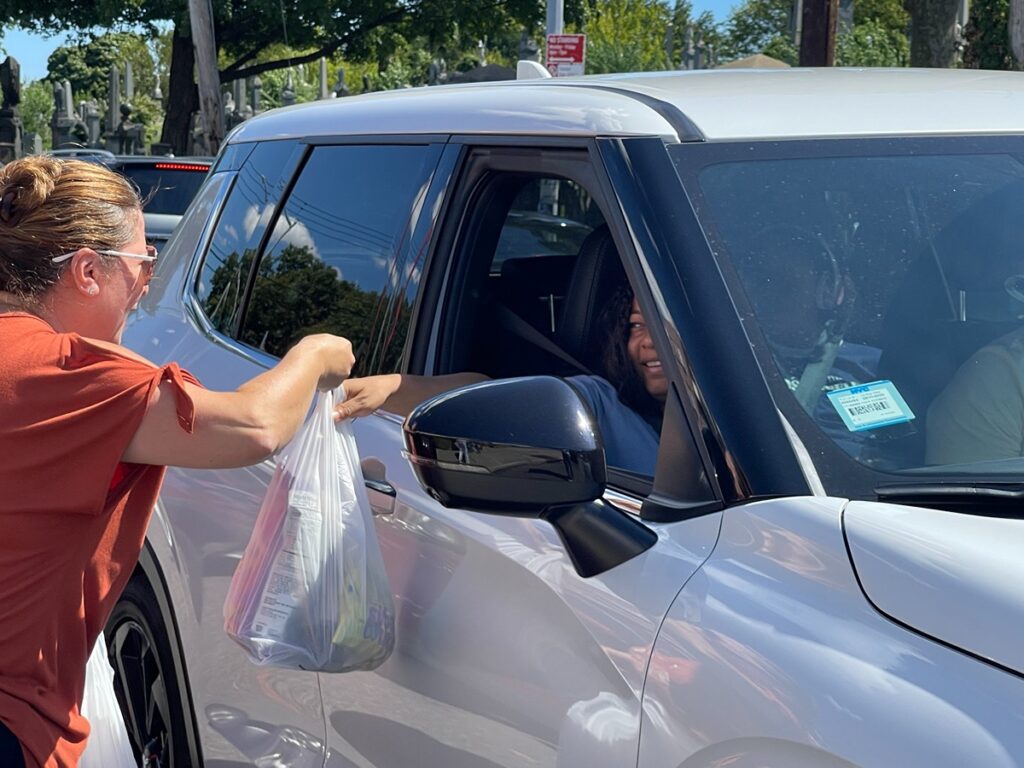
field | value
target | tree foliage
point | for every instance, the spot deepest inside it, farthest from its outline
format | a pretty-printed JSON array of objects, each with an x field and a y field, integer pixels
[
  {"x": 36, "y": 109},
  {"x": 86, "y": 64},
  {"x": 871, "y": 44},
  {"x": 626, "y": 35},
  {"x": 702, "y": 31},
  {"x": 988, "y": 41},
  {"x": 890, "y": 14},
  {"x": 760, "y": 26},
  {"x": 878, "y": 37}
]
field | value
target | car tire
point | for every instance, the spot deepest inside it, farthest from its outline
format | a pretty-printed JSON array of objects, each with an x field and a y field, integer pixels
[{"x": 146, "y": 680}]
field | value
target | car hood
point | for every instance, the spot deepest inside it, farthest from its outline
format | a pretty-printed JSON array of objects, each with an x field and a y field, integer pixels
[{"x": 953, "y": 576}]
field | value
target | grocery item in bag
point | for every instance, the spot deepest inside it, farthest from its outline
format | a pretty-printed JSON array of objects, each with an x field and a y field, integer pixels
[{"x": 311, "y": 591}]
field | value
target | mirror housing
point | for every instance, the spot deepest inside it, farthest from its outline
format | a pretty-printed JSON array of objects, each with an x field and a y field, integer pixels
[
  {"x": 527, "y": 447},
  {"x": 509, "y": 446}
]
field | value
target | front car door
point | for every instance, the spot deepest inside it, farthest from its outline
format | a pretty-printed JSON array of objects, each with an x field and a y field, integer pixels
[{"x": 505, "y": 655}]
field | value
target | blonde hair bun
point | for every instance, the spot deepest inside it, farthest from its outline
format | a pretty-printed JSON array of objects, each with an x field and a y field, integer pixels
[{"x": 26, "y": 184}]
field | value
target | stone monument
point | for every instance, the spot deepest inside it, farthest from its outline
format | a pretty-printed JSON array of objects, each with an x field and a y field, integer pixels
[
  {"x": 10, "y": 119},
  {"x": 129, "y": 137},
  {"x": 288, "y": 92},
  {"x": 340, "y": 89},
  {"x": 65, "y": 126},
  {"x": 257, "y": 94},
  {"x": 322, "y": 91}
]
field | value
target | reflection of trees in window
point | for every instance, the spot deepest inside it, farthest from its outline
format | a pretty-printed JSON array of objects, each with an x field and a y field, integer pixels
[
  {"x": 296, "y": 294},
  {"x": 226, "y": 286}
]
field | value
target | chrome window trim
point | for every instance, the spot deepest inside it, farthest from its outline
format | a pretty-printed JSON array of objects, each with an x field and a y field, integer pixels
[{"x": 629, "y": 504}]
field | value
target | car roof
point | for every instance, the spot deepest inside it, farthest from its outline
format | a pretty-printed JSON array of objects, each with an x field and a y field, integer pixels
[{"x": 724, "y": 104}]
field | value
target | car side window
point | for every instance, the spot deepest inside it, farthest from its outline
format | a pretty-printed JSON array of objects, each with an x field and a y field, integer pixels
[
  {"x": 555, "y": 300},
  {"x": 344, "y": 255},
  {"x": 220, "y": 286}
]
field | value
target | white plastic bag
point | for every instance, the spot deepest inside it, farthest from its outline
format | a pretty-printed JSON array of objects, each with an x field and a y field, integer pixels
[
  {"x": 311, "y": 591},
  {"x": 108, "y": 745}
]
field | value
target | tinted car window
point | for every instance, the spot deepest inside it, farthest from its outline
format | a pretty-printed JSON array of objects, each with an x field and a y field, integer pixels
[
  {"x": 890, "y": 291},
  {"x": 548, "y": 216},
  {"x": 342, "y": 258},
  {"x": 166, "y": 187},
  {"x": 243, "y": 222}
]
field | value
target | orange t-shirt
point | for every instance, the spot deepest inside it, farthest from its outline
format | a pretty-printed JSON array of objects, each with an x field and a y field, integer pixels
[{"x": 72, "y": 518}]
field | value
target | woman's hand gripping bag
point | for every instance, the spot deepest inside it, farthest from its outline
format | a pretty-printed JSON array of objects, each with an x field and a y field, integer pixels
[{"x": 311, "y": 591}]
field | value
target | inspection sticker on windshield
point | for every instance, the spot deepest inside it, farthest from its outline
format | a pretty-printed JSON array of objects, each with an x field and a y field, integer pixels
[{"x": 870, "y": 406}]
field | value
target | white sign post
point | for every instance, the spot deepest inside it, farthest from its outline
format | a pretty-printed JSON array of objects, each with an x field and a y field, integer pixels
[{"x": 566, "y": 55}]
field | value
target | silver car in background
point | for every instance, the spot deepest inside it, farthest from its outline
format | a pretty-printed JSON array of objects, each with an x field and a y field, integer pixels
[{"x": 815, "y": 569}]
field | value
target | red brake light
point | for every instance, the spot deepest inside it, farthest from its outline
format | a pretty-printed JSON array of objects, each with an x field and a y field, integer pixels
[{"x": 181, "y": 167}]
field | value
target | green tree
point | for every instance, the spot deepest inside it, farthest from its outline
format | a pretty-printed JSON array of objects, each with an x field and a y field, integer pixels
[
  {"x": 871, "y": 44},
  {"x": 359, "y": 30},
  {"x": 36, "y": 110},
  {"x": 890, "y": 14},
  {"x": 760, "y": 26},
  {"x": 878, "y": 37},
  {"x": 86, "y": 63},
  {"x": 626, "y": 35},
  {"x": 988, "y": 41},
  {"x": 704, "y": 31}
]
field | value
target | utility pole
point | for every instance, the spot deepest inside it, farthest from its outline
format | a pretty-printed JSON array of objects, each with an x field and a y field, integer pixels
[
  {"x": 556, "y": 23},
  {"x": 210, "y": 107},
  {"x": 818, "y": 33},
  {"x": 548, "y": 193}
]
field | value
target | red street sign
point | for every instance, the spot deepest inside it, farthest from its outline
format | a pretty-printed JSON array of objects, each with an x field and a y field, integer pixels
[{"x": 566, "y": 54}]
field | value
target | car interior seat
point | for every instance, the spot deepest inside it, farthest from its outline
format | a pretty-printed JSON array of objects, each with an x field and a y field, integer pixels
[
  {"x": 596, "y": 275},
  {"x": 527, "y": 301},
  {"x": 534, "y": 288}
]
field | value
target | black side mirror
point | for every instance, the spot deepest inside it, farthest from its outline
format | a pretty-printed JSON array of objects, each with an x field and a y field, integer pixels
[{"x": 525, "y": 447}]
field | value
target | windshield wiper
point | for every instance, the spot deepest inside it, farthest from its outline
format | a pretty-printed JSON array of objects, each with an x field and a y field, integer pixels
[{"x": 993, "y": 499}]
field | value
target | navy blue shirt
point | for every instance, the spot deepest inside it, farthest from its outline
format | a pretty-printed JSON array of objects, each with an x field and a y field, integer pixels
[{"x": 630, "y": 443}]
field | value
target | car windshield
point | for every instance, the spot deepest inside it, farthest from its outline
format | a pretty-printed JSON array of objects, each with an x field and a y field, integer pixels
[
  {"x": 167, "y": 189},
  {"x": 883, "y": 287}
]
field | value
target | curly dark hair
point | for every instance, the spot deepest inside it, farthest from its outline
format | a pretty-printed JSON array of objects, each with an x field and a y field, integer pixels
[{"x": 616, "y": 365}]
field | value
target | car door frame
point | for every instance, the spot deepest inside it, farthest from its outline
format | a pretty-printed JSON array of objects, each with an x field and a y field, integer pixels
[{"x": 675, "y": 494}]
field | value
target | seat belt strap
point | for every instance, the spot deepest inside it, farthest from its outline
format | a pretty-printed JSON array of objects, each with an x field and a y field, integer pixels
[{"x": 510, "y": 321}]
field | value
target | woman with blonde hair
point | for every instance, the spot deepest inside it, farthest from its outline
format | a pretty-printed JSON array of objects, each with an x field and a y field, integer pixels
[{"x": 87, "y": 427}]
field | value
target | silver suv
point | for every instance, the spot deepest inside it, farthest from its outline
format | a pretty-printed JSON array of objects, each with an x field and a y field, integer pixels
[{"x": 818, "y": 562}]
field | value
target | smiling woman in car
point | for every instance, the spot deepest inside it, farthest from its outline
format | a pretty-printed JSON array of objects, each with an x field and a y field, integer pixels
[{"x": 87, "y": 427}]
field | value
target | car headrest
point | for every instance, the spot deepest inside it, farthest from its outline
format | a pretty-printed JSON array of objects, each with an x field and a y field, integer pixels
[
  {"x": 536, "y": 274},
  {"x": 596, "y": 275}
]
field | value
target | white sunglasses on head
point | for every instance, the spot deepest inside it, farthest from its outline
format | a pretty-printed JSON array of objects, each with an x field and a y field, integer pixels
[{"x": 150, "y": 255}]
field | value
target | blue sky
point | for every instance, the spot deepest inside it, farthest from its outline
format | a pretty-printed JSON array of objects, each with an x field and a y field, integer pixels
[{"x": 32, "y": 50}]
